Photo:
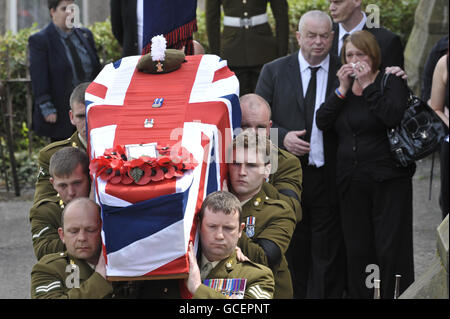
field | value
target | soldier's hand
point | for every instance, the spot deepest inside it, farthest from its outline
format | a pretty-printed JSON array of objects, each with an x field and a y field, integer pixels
[
  {"x": 240, "y": 255},
  {"x": 194, "y": 280},
  {"x": 225, "y": 185},
  {"x": 101, "y": 266}
]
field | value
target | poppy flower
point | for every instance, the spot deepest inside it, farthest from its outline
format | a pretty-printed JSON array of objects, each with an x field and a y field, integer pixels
[
  {"x": 146, "y": 177},
  {"x": 157, "y": 174},
  {"x": 116, "y": 179},
  {"x": 107, "y": 174}
]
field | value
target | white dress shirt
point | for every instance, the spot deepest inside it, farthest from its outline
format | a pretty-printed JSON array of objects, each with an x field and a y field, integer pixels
[
  {"x": 343, "y": 32},
  {"x": 140, "y": 23},
  {"x": 316, "y": 157}
]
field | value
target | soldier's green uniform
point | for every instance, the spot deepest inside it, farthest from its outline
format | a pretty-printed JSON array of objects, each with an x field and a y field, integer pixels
[
  {"x": 49, "y": 276},
  {"x": 250, "y": 45},
  {"x": 45, "y": 219},
  {"x": 260, "y": 282},
  {"x": 44, "y": 188},
  {"x": 273, "y": 225},
  {"x": 287, "y": 180}
]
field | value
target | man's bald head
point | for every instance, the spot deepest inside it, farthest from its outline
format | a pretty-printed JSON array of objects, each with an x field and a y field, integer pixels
[
  {"x": 81, "y": 229},
  {"x": 256, "y": 113},
  {"x": 81, "y": 203}
]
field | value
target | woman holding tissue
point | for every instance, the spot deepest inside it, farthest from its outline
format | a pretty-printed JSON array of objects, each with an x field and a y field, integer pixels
[{"x": 375, "y": 192}]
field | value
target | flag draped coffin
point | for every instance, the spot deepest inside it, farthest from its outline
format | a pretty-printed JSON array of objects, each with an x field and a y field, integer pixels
[{"x": 147, "y": 228}]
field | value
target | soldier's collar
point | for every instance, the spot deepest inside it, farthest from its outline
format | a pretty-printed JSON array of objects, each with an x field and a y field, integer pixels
[{"x": 257, "y": 201}]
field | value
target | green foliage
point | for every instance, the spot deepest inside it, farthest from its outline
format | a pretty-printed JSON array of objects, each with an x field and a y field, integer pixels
[
  {"x": 107, "y": 46},
  {"x": 200, "y": 35}
]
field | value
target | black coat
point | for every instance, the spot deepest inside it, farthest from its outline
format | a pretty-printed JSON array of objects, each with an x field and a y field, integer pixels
[
  {"x": 124, "y": 25},
  {"x": 281, "y": 86},
  {"x": 51, "y": 78}
]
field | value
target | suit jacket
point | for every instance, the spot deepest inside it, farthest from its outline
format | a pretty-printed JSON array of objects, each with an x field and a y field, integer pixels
[
  {"x": 124, "y": 25},
  {"x": 281, "y": 85},
  {"x": 51, "y": 78},
  {"x": 247, "y": 47},
  {"x": 390, "y": 45}
]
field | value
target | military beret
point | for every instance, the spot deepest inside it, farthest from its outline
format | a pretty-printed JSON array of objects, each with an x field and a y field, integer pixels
[{"x": 160, "y": 60}]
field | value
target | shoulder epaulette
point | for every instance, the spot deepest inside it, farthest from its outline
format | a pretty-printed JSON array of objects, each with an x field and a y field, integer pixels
[{"x": 52, "y": 257}]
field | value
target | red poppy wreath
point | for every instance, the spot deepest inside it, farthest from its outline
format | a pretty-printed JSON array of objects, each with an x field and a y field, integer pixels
[{"x": 115, "y": 167}]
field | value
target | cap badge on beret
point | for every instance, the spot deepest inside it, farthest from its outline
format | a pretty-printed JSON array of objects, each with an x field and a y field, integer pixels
[{"x": 160, "y": 60}]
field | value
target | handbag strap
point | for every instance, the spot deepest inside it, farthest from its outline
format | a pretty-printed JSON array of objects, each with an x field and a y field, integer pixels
[{"x": 383, "y": 83}]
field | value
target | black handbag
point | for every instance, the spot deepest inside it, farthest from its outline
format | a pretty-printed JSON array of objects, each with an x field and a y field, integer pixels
[{"x": 419, "y": 133}]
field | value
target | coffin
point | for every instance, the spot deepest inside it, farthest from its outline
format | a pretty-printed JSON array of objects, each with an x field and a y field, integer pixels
[{"x": 157, "y": 122}]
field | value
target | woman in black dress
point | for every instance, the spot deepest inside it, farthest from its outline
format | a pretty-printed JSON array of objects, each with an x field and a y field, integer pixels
[{"x": 375, "y": 192}]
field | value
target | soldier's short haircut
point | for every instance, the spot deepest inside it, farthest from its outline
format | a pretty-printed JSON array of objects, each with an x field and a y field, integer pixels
[
  {"x": 64, "y": 162},
  {"x": 83, "y": 202},
  {"x": 221, "y": 201},
  {"x": 78, "y": 94},
  {"x": 253, "y": 100},
  {"x": 250, "y": 140}
]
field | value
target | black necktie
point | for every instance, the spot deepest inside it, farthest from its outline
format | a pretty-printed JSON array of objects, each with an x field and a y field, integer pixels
[
  {"x": 310, "y": 101},
  {"x": 76, "y": 60},
  {"x": 343, "y": 40}
]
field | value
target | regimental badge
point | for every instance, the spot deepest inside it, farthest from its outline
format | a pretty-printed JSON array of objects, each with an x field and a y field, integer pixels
[
  {"x": 149, "y": 123},
  {"x": 250, "y": 227},
  {"x": 158, "y": 102},
  {"x": 159, "y": 67},
  {"x": 41, "y": 172}
]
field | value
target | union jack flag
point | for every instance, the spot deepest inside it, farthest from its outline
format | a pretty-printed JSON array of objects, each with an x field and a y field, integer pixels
[{"x": 147, "y": 228}]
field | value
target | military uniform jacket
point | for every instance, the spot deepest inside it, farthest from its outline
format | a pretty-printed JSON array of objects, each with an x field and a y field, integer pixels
[
  {"x": 54, "y": 276},
  {"x": 45, "y": 219},
  {"x": 260, "y": 282},
  {"x": 273, "y": 220},
  {"x": 251, "y": 46},
  {"x": 287, "y": 181},
  {"x": 44, "y": 188}
]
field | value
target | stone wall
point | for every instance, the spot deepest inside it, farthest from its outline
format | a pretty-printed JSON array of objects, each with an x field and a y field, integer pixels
[
  {"x": 433, "y": 284},
  {"x": 2, "y": 17},
  {"x": 431, "y": 24}
]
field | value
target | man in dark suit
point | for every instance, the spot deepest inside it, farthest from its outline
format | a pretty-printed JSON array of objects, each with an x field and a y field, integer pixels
[
  {"x": 247, "y": 41},
  {"x": 349, "y": 18},
  {"x": 124, "y": 26},
  {"x": 61, "y": 57},
  {"x": 295, "y": 86}
]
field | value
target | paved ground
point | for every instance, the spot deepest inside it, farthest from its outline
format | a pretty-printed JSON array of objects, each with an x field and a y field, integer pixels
[{"x": 17, "y": 258}]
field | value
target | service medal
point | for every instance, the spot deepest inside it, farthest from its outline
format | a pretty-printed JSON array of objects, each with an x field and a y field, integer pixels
[{"x": 250, "y": 227}]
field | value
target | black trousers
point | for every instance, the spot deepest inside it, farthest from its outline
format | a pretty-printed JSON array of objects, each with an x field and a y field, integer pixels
[
  {"x": 248, "y": 77},
  {"x": 316, "y": 253},
  {"x": 443, "y": 200},
  {"x": 378, "y": 233}
]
